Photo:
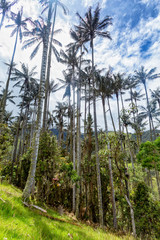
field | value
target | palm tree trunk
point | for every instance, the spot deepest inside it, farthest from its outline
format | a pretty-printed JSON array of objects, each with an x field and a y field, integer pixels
[
  {"x": 100, "y": 206},
  {"x": 122, "y": 108},
  {"x": 149, "y": 111},
  {"x": 118, "y": 113},
  {"x": 85, "y": 110},
  {"x": 32, "y": 171},
  {"x": 74, "y": 145},
  {"x": 48, "y": 72},
  {"x": 130, "y": 150},
  {"x": 4, "y": 100},
  {"x": 33, "y": 122},
  {"x": 111, "y": 115},
  {"x": 78, "y": 139},
  {"x": 110, "y": 169}
]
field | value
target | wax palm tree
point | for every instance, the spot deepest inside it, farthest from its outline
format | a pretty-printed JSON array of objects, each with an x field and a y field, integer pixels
[
  {"x": 142, "y": 76},
  {"x": 152, "y": 111},
  {"x": 38, "y": 36},
  {"x": 77, "y": 37},
  {"x": 91, "y": 26},
  {"x": 70, "y": 59},
  {"x": 31, "y": 175},
  {"x": 101, "y": 82},
  {"x": 56, "y": 4},
  {"x": 59, "y": 114},
  {"x": 5, "y": 7},
  {"x": 25, "y": 79},
  {"x": 19, "y": 25},
  {"x": 47, "y": 3}
]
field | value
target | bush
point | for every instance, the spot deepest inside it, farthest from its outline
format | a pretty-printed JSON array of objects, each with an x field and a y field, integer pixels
[{"x": 147, "y": 213}]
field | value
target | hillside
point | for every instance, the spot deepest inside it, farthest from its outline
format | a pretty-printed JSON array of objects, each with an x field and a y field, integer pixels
[
  {"x": 20, "y": 222},
  {"x": 145, "y": 134}
]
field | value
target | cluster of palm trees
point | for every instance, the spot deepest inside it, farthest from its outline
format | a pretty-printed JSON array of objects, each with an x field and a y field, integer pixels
[{"x": 88, "y": 83}]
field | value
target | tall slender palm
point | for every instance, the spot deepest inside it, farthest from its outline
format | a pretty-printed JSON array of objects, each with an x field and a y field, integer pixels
[
  {"x": 59, "y": 114},
  {"x": 38, "y": 34},
  {"x": 19, "y": 25},
  {"x": 56, "y": 4},
  {"x": 32, "y": 171},
  {"x": 70, "y": 58},
  {"x": 5, "y": 7},
  {"x": 25, "y": 79},
  {"x": 142, "y": 76},
  {"x": 91, "y": 26},
  {"x": 153, "y": 111},
  {"x": 101, "y": 82},
  {"x": 77, "y": 37}
]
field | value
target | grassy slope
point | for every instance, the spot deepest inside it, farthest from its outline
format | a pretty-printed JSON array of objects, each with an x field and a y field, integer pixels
[{"x": 19, "y": 222}]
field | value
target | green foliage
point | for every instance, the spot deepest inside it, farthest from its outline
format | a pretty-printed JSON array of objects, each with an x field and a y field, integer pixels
[
  {"x": 67, "y": 169},
  {"x": 48, "y": 157},
  {"x": 147, "y": 213},
  {"x": 23, "y": 168},
  {"x": 6, "y": 141},
  {"x": 149, "y": 156}
]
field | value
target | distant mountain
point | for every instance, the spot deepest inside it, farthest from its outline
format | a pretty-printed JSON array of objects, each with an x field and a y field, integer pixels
[
  {"x": 55, "y": 132},
  {"x": 146, "y": 135}
]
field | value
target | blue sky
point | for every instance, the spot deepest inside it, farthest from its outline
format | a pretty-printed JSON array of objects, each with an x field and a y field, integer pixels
[{"x": 135, "y": 38}]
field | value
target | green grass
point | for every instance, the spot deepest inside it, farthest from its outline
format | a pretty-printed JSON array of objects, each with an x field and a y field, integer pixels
[{"x": 19, "y": 222}]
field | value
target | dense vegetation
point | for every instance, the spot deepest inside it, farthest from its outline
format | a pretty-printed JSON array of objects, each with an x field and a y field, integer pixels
[{"x": 101, "y": 176}]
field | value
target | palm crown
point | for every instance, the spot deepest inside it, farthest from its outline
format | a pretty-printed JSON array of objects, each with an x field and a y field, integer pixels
[{"x": 91, "y": 26}]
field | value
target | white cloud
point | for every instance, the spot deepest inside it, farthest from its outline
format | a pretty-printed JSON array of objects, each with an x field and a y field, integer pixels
[
  {"x": 88, "y": 3},
  {"x": 123, "y": 57}
]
